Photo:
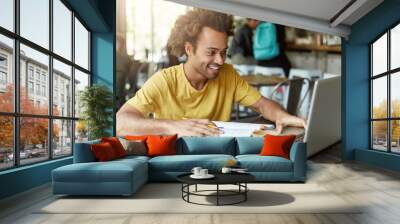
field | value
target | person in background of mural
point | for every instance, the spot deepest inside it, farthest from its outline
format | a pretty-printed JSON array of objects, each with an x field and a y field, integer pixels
[
  {"x": 241, "y": 49},
  {"x": 184, "y": 98},
  {"x": 269, "y": 46}
]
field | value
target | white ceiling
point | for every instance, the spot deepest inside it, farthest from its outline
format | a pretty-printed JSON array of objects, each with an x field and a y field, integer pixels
[
  {"x": 320, "y": 9},
  {"x": 325, "y": 16}
]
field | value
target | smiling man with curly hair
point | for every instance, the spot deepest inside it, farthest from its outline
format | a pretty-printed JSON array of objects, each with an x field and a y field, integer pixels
[{"x": 184, "y": 98}]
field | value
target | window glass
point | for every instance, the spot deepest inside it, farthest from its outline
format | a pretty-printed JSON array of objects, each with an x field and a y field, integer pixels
[
  {"x": 81, "y": 45},
  {"x": 34, "y": 21},
  {"x": 379, "y": 98},
  {"x": 62, "y": 138},
  {"x": 379, "y": 135},
  {"x": 395, "y": 136},
  {"x": 81, "y": 82},
  {"x": 81, "y": 131},
  {"x": 395, "y": 95},
  {"x": 379, "y": 56},
  {"x": 33, "y": 140},
  {"x": 39, "y": 62},
  {"x": 62, "y": 91},
  {"x": 62, "y": 29},
  {"x": 6, "y": 142},
  {"x": 6, "y": 74},
  {"x": 395, "y": 47},
  {"x": 7, "y": 14}
]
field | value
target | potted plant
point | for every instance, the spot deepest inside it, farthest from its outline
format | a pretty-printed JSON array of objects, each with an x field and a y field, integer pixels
[{"x": 96, "y": 103}]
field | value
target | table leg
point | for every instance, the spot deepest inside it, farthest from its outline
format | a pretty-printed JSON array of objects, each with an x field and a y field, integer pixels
[
  {"x": 182, "y": 190},
  {"x": 245, "y": 193},
  {"x": 196, "y": 187},
  {"x": 217, "y": 194}
]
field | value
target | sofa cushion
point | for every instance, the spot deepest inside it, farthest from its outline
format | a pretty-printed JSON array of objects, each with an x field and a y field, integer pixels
[
  {"x": 111, "y": 171},
  {"x": 134, "y": 147},
  {"x": 185, "y": 163},
  {"x": 248, "y": 145},
  {"x": 131, "y": 158},
  {"x": 277, "y": 145},
  {"x": 103, "y": 152},
  {"x": 257, "y": 163},
  {"x": 116, "y": 145},
  {"x": 161, "y": 145},
  {"x": 206, "y": 145},
  {"x": 83, "y": 152}
]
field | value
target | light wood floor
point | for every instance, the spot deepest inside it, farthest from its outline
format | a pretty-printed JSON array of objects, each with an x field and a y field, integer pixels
[{"x": 377, "y": 188}]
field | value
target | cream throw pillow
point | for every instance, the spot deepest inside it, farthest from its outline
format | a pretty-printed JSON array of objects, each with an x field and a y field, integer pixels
[{"x": 134, "y": 147}]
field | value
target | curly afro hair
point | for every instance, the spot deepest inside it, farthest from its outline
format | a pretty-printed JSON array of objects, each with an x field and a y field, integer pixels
[{"x": 188, "y": 26}]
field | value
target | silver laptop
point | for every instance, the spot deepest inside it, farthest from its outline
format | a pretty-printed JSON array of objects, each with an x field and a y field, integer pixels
[{"x": 324, "y": 118}]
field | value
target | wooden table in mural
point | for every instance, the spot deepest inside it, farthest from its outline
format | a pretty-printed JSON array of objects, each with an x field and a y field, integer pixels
[{"x": 263, "y": 80}]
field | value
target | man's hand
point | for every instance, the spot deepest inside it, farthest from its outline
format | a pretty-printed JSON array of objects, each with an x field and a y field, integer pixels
[
  {"x": 193, "y": 127},
  {"x": 272, "y": 111},
  {"x": 289, "y": 120}
]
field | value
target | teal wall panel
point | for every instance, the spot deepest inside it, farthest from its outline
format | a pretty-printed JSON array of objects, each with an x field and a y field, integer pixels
[
  {"x": 355, "y": 86},
  {"x": 24, "y": 178},
  {"x": 380, "y": 159}
]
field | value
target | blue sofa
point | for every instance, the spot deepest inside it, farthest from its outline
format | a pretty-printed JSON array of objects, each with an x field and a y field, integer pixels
[{"x": 125, "y": 176}]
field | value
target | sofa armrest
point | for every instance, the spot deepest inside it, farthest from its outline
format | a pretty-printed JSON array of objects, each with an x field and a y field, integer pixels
[
  {"x": 298, "y": 155},
  {"x": 83, "y": 152}
]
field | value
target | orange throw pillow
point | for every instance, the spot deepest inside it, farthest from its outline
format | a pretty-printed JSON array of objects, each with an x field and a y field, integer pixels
[
  {"x": 116, "y": 145},
  {"x": 103, "y": 152},
  {"x": 277, "y": 145},
  {"x": 161, "y": 145}
]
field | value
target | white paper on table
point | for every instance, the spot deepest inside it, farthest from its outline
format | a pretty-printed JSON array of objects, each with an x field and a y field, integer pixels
[{"x": 236, "y": 129}]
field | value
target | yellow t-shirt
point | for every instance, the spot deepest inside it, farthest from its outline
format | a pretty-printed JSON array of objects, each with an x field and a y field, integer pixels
[{"x": 169, "y": 95}]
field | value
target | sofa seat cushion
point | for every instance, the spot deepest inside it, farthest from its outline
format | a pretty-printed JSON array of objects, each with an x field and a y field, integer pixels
[
  {"x": 112, "y": 171},
  {"x": 257, "y": 163},
  {"x": 185, "y": 163},
  {"x": 133, "y": 158}
]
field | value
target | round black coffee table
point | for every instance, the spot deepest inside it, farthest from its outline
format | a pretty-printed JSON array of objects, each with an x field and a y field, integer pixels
[{"x": 238, "y": 179}]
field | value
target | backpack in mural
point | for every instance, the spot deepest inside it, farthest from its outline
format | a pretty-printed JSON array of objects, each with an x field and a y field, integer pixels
[{"x": 265, "y": 44}]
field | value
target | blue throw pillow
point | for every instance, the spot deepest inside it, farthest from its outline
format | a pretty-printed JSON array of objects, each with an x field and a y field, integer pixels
[
  {"x": 206, "y": 145},
  {"x": 249, "y": 145}
]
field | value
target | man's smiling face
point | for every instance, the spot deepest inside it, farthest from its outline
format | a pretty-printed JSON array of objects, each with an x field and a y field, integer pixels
[{"x": 210, "y": 52}]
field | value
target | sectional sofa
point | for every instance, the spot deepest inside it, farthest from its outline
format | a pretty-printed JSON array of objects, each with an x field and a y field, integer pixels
[{"x": 125, "y": 176}]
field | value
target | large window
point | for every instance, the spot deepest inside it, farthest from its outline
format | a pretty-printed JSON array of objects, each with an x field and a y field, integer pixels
[
  {"x": 44, "y": 64},
  {"x": 385, "y": 91}
]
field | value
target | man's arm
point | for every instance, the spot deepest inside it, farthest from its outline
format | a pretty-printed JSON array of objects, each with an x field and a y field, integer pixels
[
  {"x": 130, "y": 121},
  {"x": 272, "y": 111}
]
